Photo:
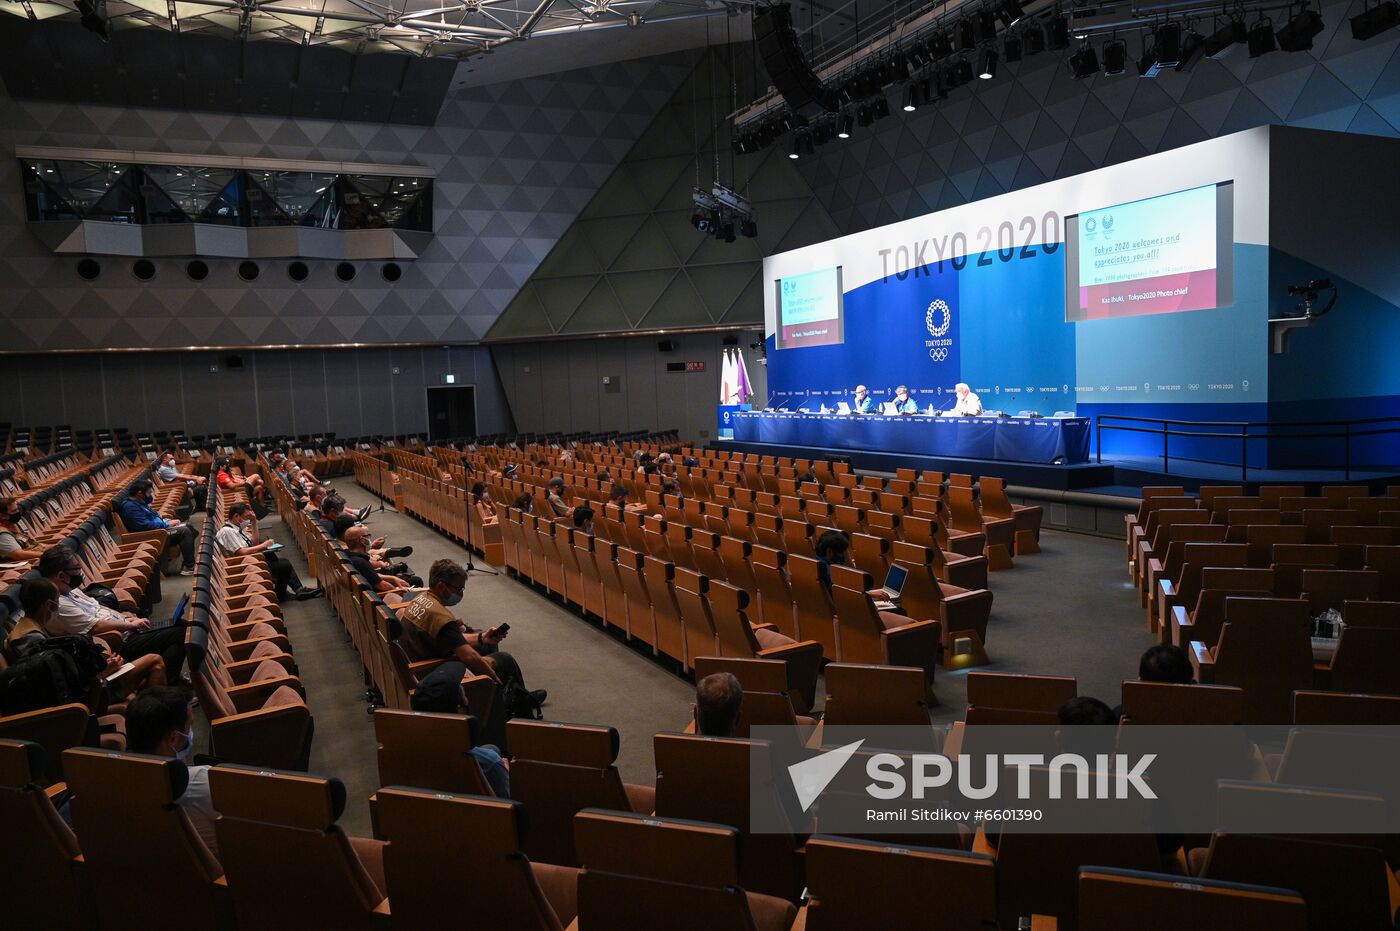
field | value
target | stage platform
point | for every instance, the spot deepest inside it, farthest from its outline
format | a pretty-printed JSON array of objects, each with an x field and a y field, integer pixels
[{"x": 1116, "y": 476}]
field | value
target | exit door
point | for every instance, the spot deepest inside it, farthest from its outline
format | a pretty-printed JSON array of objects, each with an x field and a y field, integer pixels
[{"x": 451, "y": 412}]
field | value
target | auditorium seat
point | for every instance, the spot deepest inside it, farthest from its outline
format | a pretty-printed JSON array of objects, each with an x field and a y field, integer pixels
[
  {"x": 963, "y": 614},
  {"x": 1315, "y": 707},
  {"x": 768, "y": 699},
  {"x": 1352, "y": 542},
  {"x": 1261, "y": 539},
  {"x": 1186, "y": 587},
  {"x": 1027, "y": 517},
  {"x": 429, "y": 751},
  {"x": 648, "y": 872},
  {"x": 716, "y": 780},
  {"x": 777, "y": 604},
  {"x": 265, "y": 722},
  {"x": 641, "y": 624},
  {"x": 1368, "y": 651},
  {"x": 1161, "y": 902},
  {"x": 867, "y": 635},
  {"x": 814, "y": 608},
  {"x": 287, "y": 863},
  {"x": 736, "y": 637},
  {"x": 1386, "y": 561},
  {"x": 873, "y": 884},
  {"x": 1290, "y": 561},
  {"x": 1167, "y": 553},
  {"x": 969, "y": 572},
  {"x": 557, "y": 770},
  {"x": 463, "y": 856},
  {"x": 859, "y": 695},
  {"x": 1265, "y": 649},
  {"x": 1017, "y": 698},
  {"x": 1204, "y": 619},
  {"x": 54, "y": 729},
  {"x": 40, "y": 857},
  {"x": 125, "y": 808},
  {"x": 1000, "y": 532},
  {"x": 1330, "y": 588}
]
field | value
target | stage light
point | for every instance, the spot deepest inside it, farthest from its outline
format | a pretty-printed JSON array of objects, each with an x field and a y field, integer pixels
[
  {"x": 1035, "y": 40},
  {"x": 863, "y": 115},
  {"x": 940, "y": 45},
  {"x": 1296, "y": 35},
  {"x": 1011, "y": 48},
  {"x": 1057, "y": 33},
  {"x": 1164, "y": 52},
  {"x": 1115, "y": 54},
  {"x": 966, "y": 35},
  {"x": 901, "y": 66},
  {"x": 919, "y": 56},
  {"x": 1193, "y": 46},
  {"x": 726, "y": 231},
  {"x": 880, "y": 107},
  {"x": 964, "y": 71},
  {"x": 1261, "y": 38},
  {"x": 1226, "y": 39},
  {"x": 92, "y": 20},
  {"x": 1084, "y": 63},
  {"x": 911, "y": 97},
  {"x": 1376, "y": 20},
  {"x": 986, "y": 25},
  {"x": 1010, "y": 13},
  {"x": 987, "y": 67},
  {"x": 844, "y": 126},
  {"x": 939, "y": 85},
  {"x": 697, "y": 220},
  {"x": 748, "y": 229}
]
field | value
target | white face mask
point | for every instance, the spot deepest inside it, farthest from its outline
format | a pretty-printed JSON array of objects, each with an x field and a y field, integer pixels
[{"x": 189, "y": 745}]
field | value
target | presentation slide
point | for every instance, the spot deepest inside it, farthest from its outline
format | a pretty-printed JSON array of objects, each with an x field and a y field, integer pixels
[
  {"x": 809, "y": 309},
  {"x": 1154, "y": 256}
]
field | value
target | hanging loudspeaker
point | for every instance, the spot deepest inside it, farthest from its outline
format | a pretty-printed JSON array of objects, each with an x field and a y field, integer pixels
[{"x": 787, "y": 66}]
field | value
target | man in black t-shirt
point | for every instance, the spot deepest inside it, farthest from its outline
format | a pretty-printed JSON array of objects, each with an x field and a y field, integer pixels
[{"x": 356, "y": 540}]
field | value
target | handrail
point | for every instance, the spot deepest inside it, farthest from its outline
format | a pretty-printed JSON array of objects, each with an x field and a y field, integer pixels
[{"x": 1243, "y": 435}]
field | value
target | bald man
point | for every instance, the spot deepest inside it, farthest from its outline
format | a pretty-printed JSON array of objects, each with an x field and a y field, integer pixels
[{"x": 863, "y": 403}]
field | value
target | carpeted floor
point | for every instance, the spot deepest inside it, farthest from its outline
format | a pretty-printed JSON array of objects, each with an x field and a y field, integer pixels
[{"x": 1068, "y": 611}]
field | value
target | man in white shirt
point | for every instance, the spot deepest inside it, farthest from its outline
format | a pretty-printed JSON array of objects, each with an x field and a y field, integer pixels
[
  {"x": 160, "y": 721},
  {"x": 968, "y": 404},
  {"x": 237, "y": 537},
  {"x": 80, "y": 615}
]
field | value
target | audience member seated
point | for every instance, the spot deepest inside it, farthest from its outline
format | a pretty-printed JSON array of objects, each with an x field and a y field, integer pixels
[
  {"x": 832, "y": 547},
  {"x": 555, "y": 497},
  {"x": 440, "y": 692},
  {"x": 15, "y": 544},
  {"x": 167, "y": 471},
  {"x": 332, "y": 507},
  {"x": 356, "y": 539},
  {"x": 227, "y": 478},
  {"x": 239, "y": 537},
  {"x": 138, "y": 515},
  {"x": 583, "y": 519},
  {"x": 376, "y": 553},
  {"x": 315, "y": 495},
  {"x": 485, "y": 507},
  {"x": 719, "y": 702},
  {"x": 1163, "y": 662},
  {"x": 79, "y": 615},
  {"x": 160, "y": 721},
  {"x": 525, "y": 503}
]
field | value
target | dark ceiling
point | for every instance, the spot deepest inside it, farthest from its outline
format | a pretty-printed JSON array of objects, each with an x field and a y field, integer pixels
[{"x": 60, "y": 60}]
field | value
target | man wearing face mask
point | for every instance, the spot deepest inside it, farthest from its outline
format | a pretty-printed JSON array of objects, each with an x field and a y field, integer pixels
[
  {"x": 137, "y": 515},
  {"x": 167, "y": 472},
  {"x": 238, "y": 537},
  {"x": 15, "y": 544},
  {"x": 160, "y": 721},
  {"x": 79, "y": 615}
]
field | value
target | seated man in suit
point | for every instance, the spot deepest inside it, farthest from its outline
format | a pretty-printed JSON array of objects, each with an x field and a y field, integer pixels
[
  {"x": 903, "y": 403},
  {"x": 863, "y": 403}
]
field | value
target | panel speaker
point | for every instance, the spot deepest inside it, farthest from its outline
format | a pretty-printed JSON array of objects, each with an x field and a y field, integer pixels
[{"x": 787, "y": 66}]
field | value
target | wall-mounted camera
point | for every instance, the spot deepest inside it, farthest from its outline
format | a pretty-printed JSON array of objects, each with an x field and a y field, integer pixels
[{"x": 1305, "y": 313}]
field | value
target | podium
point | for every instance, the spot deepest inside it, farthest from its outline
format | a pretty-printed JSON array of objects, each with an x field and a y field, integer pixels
[{"x": 725, "y": 418}]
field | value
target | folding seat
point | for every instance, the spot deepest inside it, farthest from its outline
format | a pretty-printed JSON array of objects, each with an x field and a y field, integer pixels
[
  {"x": 963, "y": 614},
  {"x": 40, "y": 855},
  {"x": 870, "y": 554},
  {"x": 670, "y": 634},
  {"x": 1017, "y": 698},
  {"x": 1209, "y": 494},
  {"x": 1133, "y": 523},
  {"x": 54, "y": 730},
  {"x": 1265, "y": 649},
  {"x": 1156, "y": 535},
  {"x": 768, "y": 701},
  {"x": 429, "y": 751},
  {"x": 1345, "y": 886},
  {"x": 1291, "y": 560},
  {"x": 1294, "y": 508},
  {"x": 867, "y": 635},
  {"x": 777, "y": 605},
  {"x": 1184, "y": 589},
  {"x": 1386, "y": 561},
  {"x": 1368, "y": 650},
  {"x": 859, "y": 695},
  {"x": 1310, "y": 707},
  {"x": 631, "y": 569},
  {"x": 1319, "y": 522},
  {"x": 1027, "y": 517},
  {"x": 717, "y": 780},
  {"x": 1261, "y": 539},
  {"x": 558, "y": 770},
  {"x": 1203, "y": 620},
  {"x": 894, "y": 502},
  {"x": 791, "y": 508},
  {"x": 1353, "y": 540},
  {"x": 1000, "y": 532},
  {"x": 1272, "y": 495},
  {"x": 286, "y": 861},
  {"x": 969, "y": 572},
  {"x": 768, "y": 530},
  {"x": 1331, "y": 588},
  {"x": 724, "y": 605},
  {"x": 590, "y": 587},
  {"x": 1171, "y": 703},
  {"x": 447, "y": 851},
  {"x": 265, "y": 722},
  {"x": 1168, "y": 553},
  {"x": 1373, "y": 511},
  {"x": 1338, "y": 496},
  {"x": 850, "y": 519},
  {"x": 872, "y": 884},
  {"x": 646, "y": 872},
  {"x": 814, "y": 611},
  {"x": 125, "y": 806},
  {"x": 1162, "y": 902}
]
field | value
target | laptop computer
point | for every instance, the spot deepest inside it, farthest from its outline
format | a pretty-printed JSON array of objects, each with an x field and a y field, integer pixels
[
  {"x": 843, "y": 408},
  {"x": 176, "y": 616},
  {"x": 893, "y": 587},
  {"x": 888, "y": 408}
]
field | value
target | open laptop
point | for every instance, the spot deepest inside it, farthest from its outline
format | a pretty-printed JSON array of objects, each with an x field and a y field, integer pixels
[
  {"x": 888, "y": 408},
  {"x": 893, "y": 587},
  {"x": 176, "y": 616},
  {"x": 843, "y": 408}
]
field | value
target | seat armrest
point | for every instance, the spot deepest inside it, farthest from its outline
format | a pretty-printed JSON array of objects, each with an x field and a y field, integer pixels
[
  {"x": 242, "y": 670},
  {"x": 1202, "y": 662},
  {"x": 240, "y": 649},
  {"x": 804, "y": 663},
  {"x": 913, "y": 644},
  {"x": 250, "y": 697},
  {"x": 237, "y": 632},
  {"x": 157, "y": 535},
  {"x": 1182, "y": 629}
]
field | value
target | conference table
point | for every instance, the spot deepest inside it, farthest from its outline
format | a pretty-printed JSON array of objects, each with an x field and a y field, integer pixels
[{"x": 1059, "y": 440}]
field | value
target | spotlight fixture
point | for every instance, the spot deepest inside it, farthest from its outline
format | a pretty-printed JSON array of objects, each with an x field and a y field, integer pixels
[
  {"x": 986, "y": 25},
  {"x": 1193, "y": 46},
  {"x": 726, "y": 231},
  {"x": 1296, "y": 35},
  {"x": 1371, "y": 23},
  {"x": 1084, "y": 63},
  {"x": 940, "y": 45},
  {"x": 1115, "y": 55},
  {"x": 864, "y": 116},
  {"x": 1010, "y": 13},
  {"x": 1163, "y": 53},
  {"x": 964, "y": 71},
  {"x": 794, "y": 150},
  {"x": 1057, "y": 33},
  {"x": 1011, "y": 48},
  {"x": 939, "y": 85},
  {"x": 844, "y": 126},
  {"x": 1261, "y": 38},
  {"x": 92, "y": 18},
  {"x": 966, "y": 34},
  {"x": 748, "y": 229},
  {"x": 880, "y": 107},
  {"x": 1225, "y": 39},
  {"x": 911, "y": 97},
  {"x": 1035, "y": 40},
  {"x": 987, "y": 66},
  {"x": 919, "y": 56}
]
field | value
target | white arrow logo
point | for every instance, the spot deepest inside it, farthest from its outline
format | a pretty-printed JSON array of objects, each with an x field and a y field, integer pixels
[{"x": 811, "y": 777}]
